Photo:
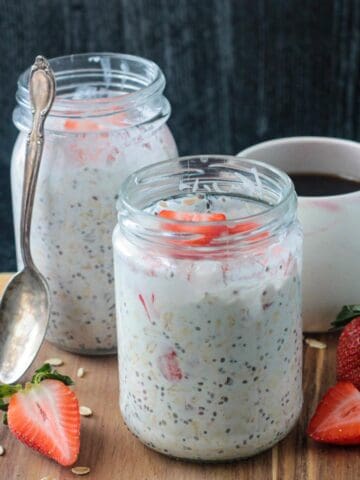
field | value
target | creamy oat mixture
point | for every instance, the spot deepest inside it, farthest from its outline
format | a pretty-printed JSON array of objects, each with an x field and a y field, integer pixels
[
  {"x": 210, "y": 348},
  {"x": 74, "y": 215}
]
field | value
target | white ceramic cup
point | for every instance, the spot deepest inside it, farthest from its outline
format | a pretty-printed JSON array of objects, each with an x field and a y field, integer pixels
[{"x": 331, "y": 224}]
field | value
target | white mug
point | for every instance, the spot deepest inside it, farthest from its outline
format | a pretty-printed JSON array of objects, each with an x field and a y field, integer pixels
[{"x": 331, "y": 224}]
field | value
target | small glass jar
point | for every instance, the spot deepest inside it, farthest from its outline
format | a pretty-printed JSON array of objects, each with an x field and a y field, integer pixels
[
  {"x": 207, "y": 256},
  {"x": 108, "y": 119}
]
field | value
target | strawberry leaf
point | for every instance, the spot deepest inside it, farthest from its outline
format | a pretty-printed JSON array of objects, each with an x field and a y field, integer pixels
[
  {"x": 46, "y": 372},
  {"x": 5, "y": 392},
  {"x": 346, "y": 314},
  {"x": 8, "y": 390}
]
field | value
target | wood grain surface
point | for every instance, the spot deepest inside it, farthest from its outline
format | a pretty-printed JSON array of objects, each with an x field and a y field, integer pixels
[{"x": 113, "y": 453}]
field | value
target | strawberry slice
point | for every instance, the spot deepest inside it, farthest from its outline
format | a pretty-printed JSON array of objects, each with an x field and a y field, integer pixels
[
  {"x": 78, "y": 125},
  {"x": 337, "y": 417},
  {"x": 242, "y": 227},
  {"x": 169, "y": 366},
  {"x": 44, "y": 415},
  {"x": 193, "y": 217},
  {"x": 87, "y": 125},
  {"x": 207, "y": 232},
  {"x": 247, "y": 227}
]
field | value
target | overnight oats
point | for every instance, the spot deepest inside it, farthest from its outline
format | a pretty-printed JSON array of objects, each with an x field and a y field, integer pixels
[
  {"x": 207, "y": 256},
  {"x": 108, "y": 120}
]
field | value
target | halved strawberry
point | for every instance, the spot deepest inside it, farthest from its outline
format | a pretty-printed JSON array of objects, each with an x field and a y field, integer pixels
[
  {"x": 337, "y": 417},
  {"x": 169, "y": 366},
  {"x": 44, "y": 415}
]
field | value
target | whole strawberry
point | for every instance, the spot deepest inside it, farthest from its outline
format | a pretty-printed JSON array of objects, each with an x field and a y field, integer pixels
[
  {"x": 44, "y": 414},
  {"x": 348, "y": 354},
  {"x": 348, "y": 349}
]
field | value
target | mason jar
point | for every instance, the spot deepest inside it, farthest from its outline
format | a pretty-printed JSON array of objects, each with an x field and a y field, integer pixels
[
  {"x": 207, "y": 256},
  {"x": 108, "y": 119}
]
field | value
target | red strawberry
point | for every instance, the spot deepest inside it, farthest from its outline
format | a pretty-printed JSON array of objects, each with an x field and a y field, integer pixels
[
  {"x": 207, "y": 232},
  {"x": 348, "y": 353},
  {"x": 337, "y": 417},
  {"x": 143, "y": 303},
  {"x": 247, "y": 227},
  {"x": 44, "y": 415},
  {"x": 79, "y": 125},
  {"x": 169, "y": 366},
  {"x": 192, "y": 217}
]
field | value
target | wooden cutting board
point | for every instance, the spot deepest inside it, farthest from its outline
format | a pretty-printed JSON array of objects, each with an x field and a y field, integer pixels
[{"x": 113, "y": 453}]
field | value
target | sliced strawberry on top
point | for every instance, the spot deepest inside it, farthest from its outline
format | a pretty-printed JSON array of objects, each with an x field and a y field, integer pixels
[
  {"x": 44, "y": 415},
  {"x": 337, "y": 417},
  {"x": 80, "y": 125},
  {"x": 194, "y": 217},
  {"x": 84, "y": 124},
  {"x": 247, "y": 227},
  {"x": 207, "y": 232}
]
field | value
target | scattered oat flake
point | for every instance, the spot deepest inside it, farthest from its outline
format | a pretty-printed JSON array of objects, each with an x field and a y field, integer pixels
[
  {"x": 80, "y": 470},
  {"x": 2, "y": 450},
  {"x": 85, "y": 411},
  {"x": 55, "y": 362},
  {"x": 80, "y": 372},
  {"x": 48, "y": 478},
  {"x": 315, "y": 343}
]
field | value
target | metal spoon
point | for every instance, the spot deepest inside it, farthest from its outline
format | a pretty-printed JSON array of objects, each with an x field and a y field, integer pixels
[{"x": 25, "y": 305}]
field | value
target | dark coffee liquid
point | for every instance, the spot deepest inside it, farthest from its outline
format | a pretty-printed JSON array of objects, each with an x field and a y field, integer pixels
[{"x": 321, "y": 184}]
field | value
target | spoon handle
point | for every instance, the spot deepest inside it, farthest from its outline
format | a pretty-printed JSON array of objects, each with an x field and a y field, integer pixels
[{"x": 42, "y": 94}]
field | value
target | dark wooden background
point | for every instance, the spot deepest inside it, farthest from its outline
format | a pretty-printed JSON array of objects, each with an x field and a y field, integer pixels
[{"x": 238, "y": 71}]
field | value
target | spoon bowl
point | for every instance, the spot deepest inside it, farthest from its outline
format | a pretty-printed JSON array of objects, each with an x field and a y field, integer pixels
[{"x": 24, "y": 314}]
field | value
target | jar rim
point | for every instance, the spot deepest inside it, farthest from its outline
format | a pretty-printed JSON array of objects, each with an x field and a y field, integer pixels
[
  {"x": 285, "y": 206},
  {"x": 146, "y": 78}
]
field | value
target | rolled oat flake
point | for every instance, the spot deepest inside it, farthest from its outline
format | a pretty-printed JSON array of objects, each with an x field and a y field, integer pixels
[
  {"x": 55, "y": 362},
  {"x": 85, "y": 411},
  {"x": 80, "y": 470},
  {"x": 313, "y": 343}
]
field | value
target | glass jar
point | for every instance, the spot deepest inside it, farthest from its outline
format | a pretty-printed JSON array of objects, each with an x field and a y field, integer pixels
[
  {"x": 207, "y": 256},
  {"x": 108, "y": 119}
]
